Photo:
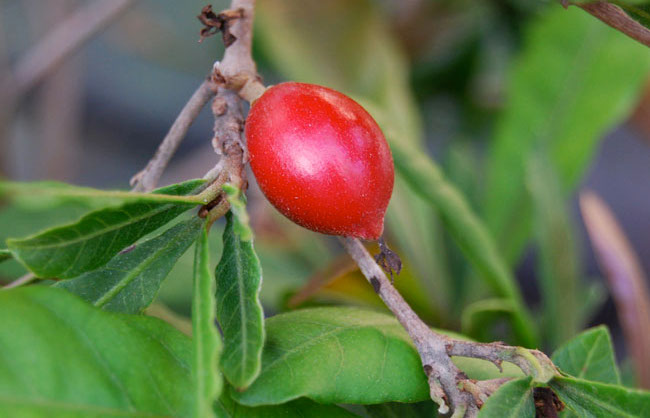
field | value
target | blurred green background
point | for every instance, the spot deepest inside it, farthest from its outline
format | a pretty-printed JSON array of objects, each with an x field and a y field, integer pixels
[{"x": 521, "y": 104}]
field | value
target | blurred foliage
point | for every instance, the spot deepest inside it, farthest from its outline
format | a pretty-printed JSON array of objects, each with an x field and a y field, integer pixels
[{"x": 510, "y": 97}]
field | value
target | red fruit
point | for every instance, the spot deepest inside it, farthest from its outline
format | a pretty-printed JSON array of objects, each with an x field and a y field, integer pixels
[{"x": 320, "y": 159}]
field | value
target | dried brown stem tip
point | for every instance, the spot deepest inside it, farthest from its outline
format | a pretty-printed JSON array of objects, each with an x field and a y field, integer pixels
[{"x": 214, "y": 23}]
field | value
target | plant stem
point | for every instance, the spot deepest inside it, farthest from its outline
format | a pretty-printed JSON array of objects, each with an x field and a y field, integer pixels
[
  {"x": 147, "y": 179},
  {"x": 23, "y": 280},
  {"x": 615, "y": 17}
]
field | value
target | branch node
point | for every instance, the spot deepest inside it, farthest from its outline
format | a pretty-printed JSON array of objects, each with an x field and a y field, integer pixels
[{"x": 214, "y": 23}]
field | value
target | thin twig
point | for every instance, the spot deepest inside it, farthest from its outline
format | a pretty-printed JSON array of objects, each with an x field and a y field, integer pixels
[
  {"x": 60, "y": 43},
  {"x": 146, "y": 180},
  {"x": 442, "y": 373},
  {"x": 449, "y": 386},
  {"x": 23, "y": 280},
  {"x": 615, "y": 17},
  {"x": 237, "y": 70}
]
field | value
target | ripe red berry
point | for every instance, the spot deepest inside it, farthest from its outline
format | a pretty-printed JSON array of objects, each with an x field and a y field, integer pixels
[{"x": 320, "y": 159}]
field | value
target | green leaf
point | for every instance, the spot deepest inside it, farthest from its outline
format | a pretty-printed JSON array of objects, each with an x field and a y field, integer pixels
[
  {"x": 304, "y": 408},
  {"x": 38, "y": 192},
  {"x": 575, "y": 79},
  {"x": 592, "y": 399},
  {"x": 130, "y": 281},
  {"x": 513, "y": 400},
  {"x": 425, "y": 409},
  {"x": 479, "y": 316},
  {"x": 425, "y": 177},
  {"x": 590, "y": 356},
  {"x": 5, "y": 254},
  {"x": 206, "y": 340},
  {"x": 559, "y": 281},
  {"x": 60, "y": 357},
  {"x": 343, "y": 355},
  {"x": 238, "y": 208},
  {"x": 74, "y": 249},
  {"x": 240, "y": 314}
]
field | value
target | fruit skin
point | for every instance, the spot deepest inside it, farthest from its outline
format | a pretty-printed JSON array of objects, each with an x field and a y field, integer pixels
[{"x": 320, "y": 159}]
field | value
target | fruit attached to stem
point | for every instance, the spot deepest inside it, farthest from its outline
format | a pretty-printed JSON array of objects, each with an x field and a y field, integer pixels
[{"x": 320, "y": 159}]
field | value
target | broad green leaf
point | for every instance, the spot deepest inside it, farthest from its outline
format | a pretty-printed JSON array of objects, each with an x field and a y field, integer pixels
[
  {"x": 5, "y": 254},
  {"x": 574, "y": 80},
  {"x": 425, "y": 409},
  {"x": 304, "y": 408},
  {"x": 60, "y": 357},
  {"x": 70, "y": 250},
  {"x": 424, "y": 176},
  {"x": 592, "y": 399},
  {"x": 240, "y": 315},
  {"x": 590, "y": 356},
  {"x": 559, "y": 277},
  {"x": 206, "y": 341},
  {"x": 513, "y": 400},
  {"x": 38, "y": 192},
  {"x": 130, "y": 281},
  {"x": 343, "y": 355}
]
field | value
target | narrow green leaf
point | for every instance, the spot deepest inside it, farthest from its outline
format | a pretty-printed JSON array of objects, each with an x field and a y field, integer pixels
[
  {"x": 43, "y": 190},
  {"x": 590, "y": 356},
  {"x": 5, "y": 254},
  {"x": 466, "y": 228},
  {"x": 513, "y": 400},
  {"x": 61, "y": 357},
  {"x": 304, "y": 408},
  {"x": 239, "y": 311},
  {"x": 238, "y": 209},
  {"x": 344, "y": 355},
  {"x": 592, "y": 399},
  {"x": 70, "y": 250},
  {"x": 425, "y": 409},
  {"x": 574, "y": 80},
  {"x": 130, "y": 281},
  {"x": 206, "y": 340},
  {"x": 559, "y": 279}
]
